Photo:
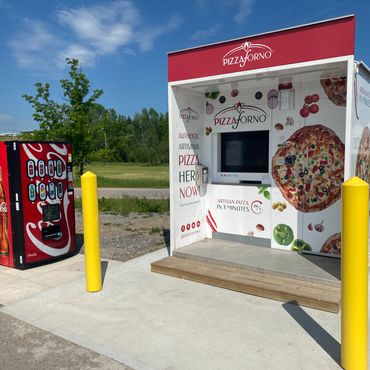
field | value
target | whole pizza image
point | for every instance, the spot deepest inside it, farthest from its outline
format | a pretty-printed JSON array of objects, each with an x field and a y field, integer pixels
[{"x": 263, "y": 132}]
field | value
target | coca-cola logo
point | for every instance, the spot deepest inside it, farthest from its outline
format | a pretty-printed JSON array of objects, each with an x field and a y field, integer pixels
[
  {"x": 246, "y": 53},
  {"x": 3, "y": 207},
  {"x": 188, "y": 114},
  {"x": 240, "y": 114}
]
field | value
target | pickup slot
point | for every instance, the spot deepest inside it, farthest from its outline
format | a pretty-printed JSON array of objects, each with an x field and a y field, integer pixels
[{"x": 51, "y": 232}]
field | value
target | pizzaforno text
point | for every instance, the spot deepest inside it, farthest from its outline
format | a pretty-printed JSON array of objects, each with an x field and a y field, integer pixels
[
  {"x": 241, "y": 119},
  {"x": 249, "y": 57}
]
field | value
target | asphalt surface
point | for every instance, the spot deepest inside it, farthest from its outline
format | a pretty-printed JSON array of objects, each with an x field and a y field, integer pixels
[{"x": 131, "y": 192}]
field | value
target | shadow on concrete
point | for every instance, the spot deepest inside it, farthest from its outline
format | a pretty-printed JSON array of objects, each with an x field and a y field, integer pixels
[
  {"x": 329, "y": 264},
  {"x": 104, "y": 267},
  {"x": 79, "y": 243},
  {"x": 316, "y": 331},
  {"x": 166, "y": 236}
]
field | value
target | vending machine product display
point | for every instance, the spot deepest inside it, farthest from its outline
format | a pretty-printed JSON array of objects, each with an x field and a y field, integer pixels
[
  {"x": 37, "y": 221},
  {"x": 280, "y": 120}
]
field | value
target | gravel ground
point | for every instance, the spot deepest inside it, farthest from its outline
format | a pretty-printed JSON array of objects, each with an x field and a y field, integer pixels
[{"x": 126, "y": 237}]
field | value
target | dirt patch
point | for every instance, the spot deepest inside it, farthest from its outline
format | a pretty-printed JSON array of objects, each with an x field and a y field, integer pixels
[{"x": 126, "y": 237}]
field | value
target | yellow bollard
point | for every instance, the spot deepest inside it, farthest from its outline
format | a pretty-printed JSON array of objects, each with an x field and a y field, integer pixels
[
  {"x": 355, "y": 218},
  {"x": 90, "y": 217}
]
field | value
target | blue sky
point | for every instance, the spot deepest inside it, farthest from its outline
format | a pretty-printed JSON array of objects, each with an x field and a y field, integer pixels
[{"x": 123, "y": 44}]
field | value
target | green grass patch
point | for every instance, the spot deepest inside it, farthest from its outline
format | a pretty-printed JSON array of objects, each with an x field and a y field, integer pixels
[
  {"x": 126, "y": 205},
  {"x": 128, "y": 175}
]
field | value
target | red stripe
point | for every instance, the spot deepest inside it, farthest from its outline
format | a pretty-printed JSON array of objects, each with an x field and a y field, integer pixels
[
  {"x": 210, "y": 215},
  {"x": 210, "y": 224}
]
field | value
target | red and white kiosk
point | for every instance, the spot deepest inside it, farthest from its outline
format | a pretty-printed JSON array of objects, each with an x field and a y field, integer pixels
[{"x": 263, "y": 131}]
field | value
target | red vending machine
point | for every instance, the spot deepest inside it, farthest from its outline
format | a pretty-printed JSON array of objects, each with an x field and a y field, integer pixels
[{"x": 37, "y": 222}]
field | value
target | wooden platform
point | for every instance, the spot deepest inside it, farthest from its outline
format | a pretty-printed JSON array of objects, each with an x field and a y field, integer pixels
[{"x": 264, "y": 284}]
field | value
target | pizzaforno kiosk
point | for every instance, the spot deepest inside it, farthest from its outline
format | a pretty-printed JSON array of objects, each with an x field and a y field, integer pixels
[{"x": 263, "y": 132}]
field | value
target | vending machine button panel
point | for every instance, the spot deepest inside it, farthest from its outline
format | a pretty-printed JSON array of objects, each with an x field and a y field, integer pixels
[
  {"x": 31, "y": 169},
  {"x": 42, "y": 191},
  {"x": 41, "y": 168},
  {"x": 51, "y": 168},
  {"x": 52, "y": 191},
  {"x": 32, "y": 192}
]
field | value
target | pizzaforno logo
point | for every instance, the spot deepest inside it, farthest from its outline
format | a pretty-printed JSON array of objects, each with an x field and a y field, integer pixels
[
  {"x": 246, "y": 53},
  {"x": 240, "y": 114},
  {"x": 189, "y": 114}
]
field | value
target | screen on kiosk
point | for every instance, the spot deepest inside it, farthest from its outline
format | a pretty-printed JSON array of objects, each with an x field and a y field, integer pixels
[{"x": 245, "y": 151}]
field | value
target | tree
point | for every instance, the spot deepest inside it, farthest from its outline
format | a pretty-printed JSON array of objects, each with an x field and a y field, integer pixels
[{"x": 69, "y": 121}]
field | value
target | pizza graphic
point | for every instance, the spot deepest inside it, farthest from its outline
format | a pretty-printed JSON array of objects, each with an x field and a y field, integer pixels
[
  {"x": 332, "y": 245},
  {"x": 308, "y": 168},
  {"x": 363, "y": 157},
  {"x": 336, "y": 89}
]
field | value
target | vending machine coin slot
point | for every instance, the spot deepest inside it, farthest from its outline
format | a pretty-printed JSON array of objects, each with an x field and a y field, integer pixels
[{"x": 69, "y": 178}]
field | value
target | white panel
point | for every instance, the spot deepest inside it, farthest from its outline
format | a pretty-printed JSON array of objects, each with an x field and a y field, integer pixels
[
  {"x": 187, "y": 206},
  {"x": 360, "y": 130},
  {"x": 239, "y": 210}
]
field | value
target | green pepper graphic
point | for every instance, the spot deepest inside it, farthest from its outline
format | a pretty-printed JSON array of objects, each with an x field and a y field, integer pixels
[
  {"x": 299, "y": 245},
  {"x": 283, "y": 234}
]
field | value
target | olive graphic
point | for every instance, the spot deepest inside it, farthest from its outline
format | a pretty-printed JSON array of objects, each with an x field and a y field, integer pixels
[{"x": 283, "y": 234}]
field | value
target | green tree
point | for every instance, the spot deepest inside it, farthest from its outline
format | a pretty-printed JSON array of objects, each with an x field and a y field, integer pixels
[{"x": 69, "y": 121}]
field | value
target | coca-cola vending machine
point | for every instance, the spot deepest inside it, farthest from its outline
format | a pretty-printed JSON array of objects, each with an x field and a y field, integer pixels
[{"x": 37, "y": 222}]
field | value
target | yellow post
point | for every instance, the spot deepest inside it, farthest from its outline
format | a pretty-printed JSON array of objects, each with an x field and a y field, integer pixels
[
  {"x": 91, "y": 232},
  {"x": 355, "y": 218}
]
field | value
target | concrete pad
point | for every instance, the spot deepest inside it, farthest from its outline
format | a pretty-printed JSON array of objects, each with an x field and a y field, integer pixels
[
  {"x": 151, "y": 321},
  {"x": 19, "y": 284}
]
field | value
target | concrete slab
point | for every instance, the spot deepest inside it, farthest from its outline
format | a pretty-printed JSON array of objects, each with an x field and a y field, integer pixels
[
  {"x": 152, "y": 321},
  {"x": 19, "y": 284}
]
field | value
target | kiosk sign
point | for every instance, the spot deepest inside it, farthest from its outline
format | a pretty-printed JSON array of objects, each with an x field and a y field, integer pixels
[{"x": 245, "y": 53}]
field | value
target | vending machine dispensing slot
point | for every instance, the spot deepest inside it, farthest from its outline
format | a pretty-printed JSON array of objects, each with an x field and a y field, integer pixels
[{"x": 51, "y": 232}]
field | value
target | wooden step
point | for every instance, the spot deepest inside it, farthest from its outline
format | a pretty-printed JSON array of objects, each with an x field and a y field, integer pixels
[{"x": 304, "y": 293}]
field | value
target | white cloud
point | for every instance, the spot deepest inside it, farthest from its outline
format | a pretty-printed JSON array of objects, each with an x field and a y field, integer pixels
[
  {"x": 202, "y": 35},
  {"x": 104, "y": 28},
  {"x": 85, "y": 55},
  {"x": 146, "y": 37},
  {"x": 244, "y": 11},
  {"x": 86, "y": 33},
  {"x": 5, "y": 117},
  {"x": 34, "y": 44}
]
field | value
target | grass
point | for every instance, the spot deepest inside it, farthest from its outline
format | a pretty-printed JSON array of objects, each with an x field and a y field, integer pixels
[
  {"x": 126, "y": 205},
  {"x": 128, "y": 175}
]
